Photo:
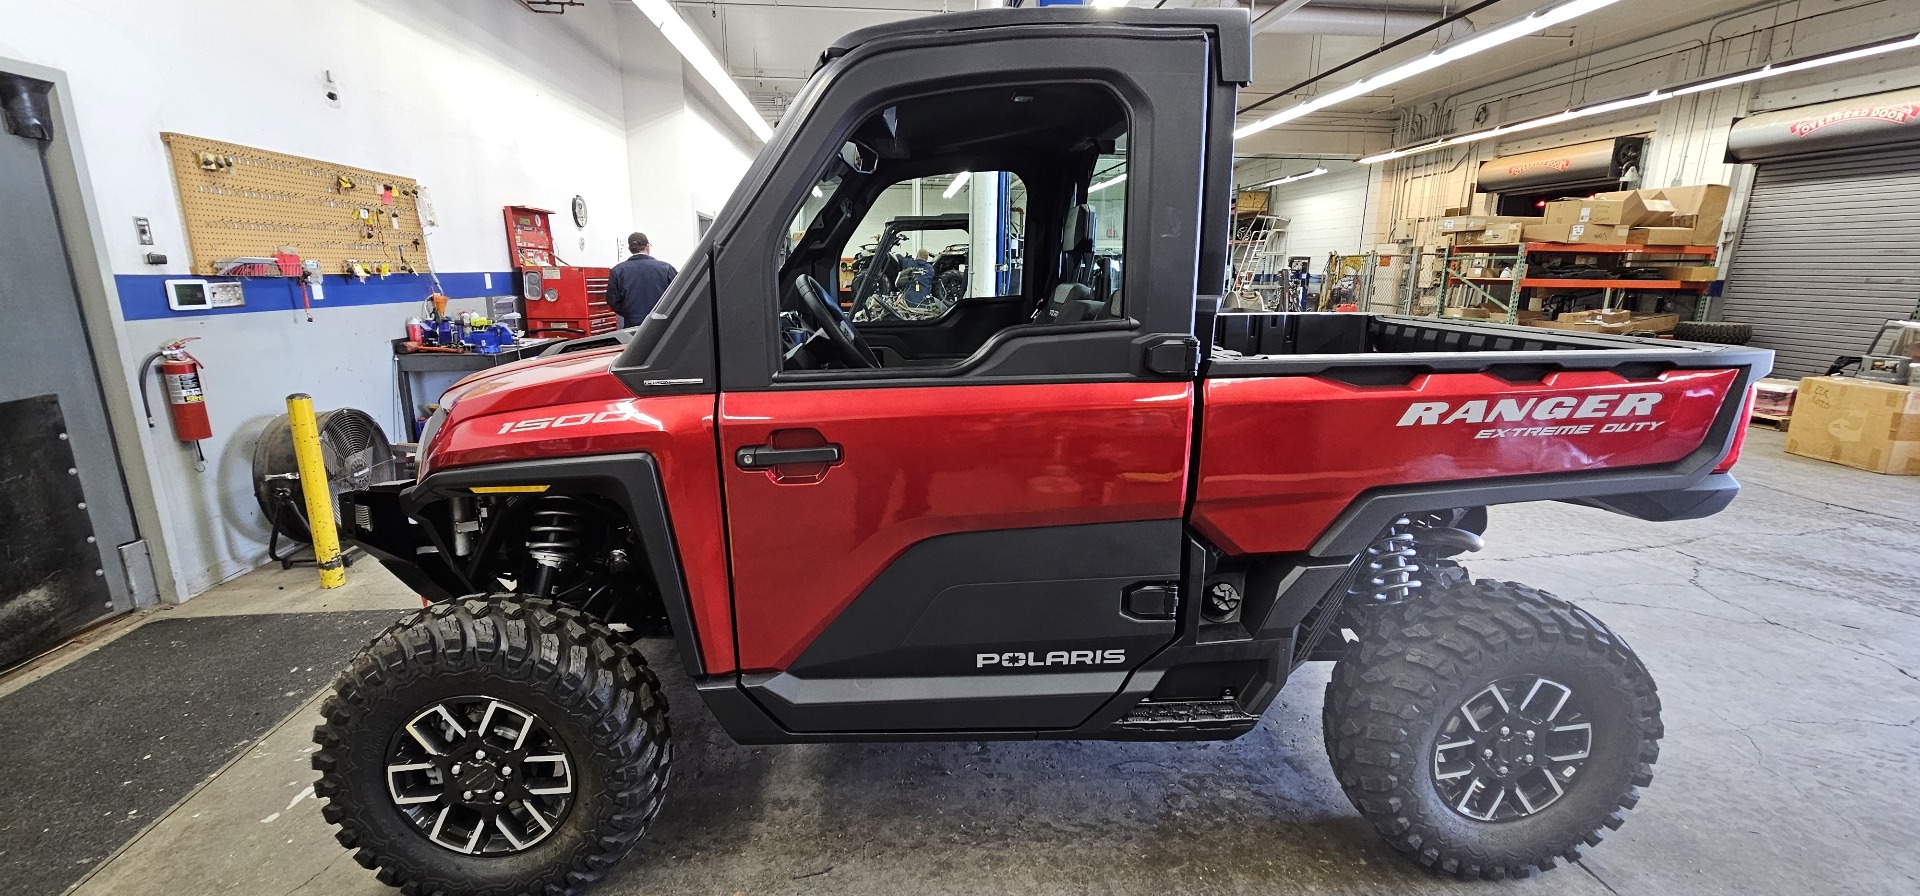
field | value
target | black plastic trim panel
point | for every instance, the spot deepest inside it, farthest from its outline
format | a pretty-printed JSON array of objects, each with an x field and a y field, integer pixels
[
  {"x": 631, "y": 480},
  {"x": 948, "y": 598},
  {"x": 1011, "y": 700},
  {"x": 671, "y": 352}
]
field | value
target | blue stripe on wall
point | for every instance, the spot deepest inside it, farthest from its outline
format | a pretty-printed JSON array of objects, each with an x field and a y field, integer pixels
[{"x": 144, "y": 296}]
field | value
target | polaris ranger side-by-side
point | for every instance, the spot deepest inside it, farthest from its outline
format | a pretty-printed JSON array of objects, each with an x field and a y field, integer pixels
[{"x": 1087, "y": 507}]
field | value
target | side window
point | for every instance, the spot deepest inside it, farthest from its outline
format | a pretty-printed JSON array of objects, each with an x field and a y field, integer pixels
[
  {"x": 913, "y": 255},
  {"x": 949, "y": 218}
]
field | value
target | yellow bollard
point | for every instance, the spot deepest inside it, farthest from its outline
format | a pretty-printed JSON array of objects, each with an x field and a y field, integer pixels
[{"x": 313, "y": 485}]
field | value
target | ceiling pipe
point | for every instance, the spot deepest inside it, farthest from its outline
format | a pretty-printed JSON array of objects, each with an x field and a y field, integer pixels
[
  {"x": 1273, "y": 14},
  {"x": 1358, "y": 21}
]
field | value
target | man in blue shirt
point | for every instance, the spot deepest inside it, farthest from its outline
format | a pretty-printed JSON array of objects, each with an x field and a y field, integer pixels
[{"x": 635, "y": 285}]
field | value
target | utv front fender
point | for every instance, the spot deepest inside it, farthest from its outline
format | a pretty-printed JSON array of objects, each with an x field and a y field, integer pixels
[{"x": 410, "y": 531}]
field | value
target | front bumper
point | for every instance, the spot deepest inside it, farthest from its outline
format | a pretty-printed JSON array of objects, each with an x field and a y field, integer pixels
[{"x": 377, "y": 522}]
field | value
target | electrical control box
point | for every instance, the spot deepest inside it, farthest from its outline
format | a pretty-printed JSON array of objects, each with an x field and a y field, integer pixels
[{"x": 204, "y": 295}]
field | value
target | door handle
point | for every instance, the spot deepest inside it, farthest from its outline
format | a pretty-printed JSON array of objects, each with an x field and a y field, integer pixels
[{"x": 760, "y": 457}]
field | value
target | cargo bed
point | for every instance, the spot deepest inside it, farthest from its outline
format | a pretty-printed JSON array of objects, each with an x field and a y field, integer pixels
[{"x": 1383, "y": 349}]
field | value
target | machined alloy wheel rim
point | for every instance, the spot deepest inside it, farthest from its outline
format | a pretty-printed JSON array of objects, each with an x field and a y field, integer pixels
[
  {"x": 1512, "y": 749},
  {"x": 480, "y": 776}
]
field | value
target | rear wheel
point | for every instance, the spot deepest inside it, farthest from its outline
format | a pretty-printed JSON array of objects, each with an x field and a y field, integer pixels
[
  {"x": 1489, "y": 729},
  {"x": 493, "y": 745}
]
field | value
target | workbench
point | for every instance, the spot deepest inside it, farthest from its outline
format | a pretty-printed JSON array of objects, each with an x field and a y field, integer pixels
[{"x": 436, "y": 371}]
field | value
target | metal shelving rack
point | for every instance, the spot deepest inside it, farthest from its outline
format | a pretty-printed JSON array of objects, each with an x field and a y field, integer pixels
[{"x": 1517, "y": 281}]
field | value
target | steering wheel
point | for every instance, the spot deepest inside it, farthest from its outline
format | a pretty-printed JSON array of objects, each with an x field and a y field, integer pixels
[{"x": 822, "y": 311}]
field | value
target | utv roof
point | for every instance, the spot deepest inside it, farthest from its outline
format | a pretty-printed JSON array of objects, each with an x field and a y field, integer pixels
[{"x": 1233, "y": 36}]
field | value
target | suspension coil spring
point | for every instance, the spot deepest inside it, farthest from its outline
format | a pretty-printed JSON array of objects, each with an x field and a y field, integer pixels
[
  {"x": 1389, "y": 569},
  {"x": 554, "y": 535}
]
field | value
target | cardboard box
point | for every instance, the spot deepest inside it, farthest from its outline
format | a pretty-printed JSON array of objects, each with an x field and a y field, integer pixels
[
  {"x": 1465, "y": 313},
  {"x": 1691, "y": 273},
  {"x": 1636, "y": 208},
  {"x": 1774, "y": 397},
  {"x": 1596, "y": 317},
  {"x": 1593, "y": 234},
  {"x": 1862, "y": 424},
  {"x": 1251, "y": 202},
  {"x": 1564, "y": 211},
  {"x": 1470, "y": 223},
  {"x": 1499, "y": 233},
  {"x": 1704, "y": 208},
  {"x": 1617, "y": 322},
  {"x": 1582, "y": 326},
  {"x": 1660, "y": 236},
  {"x": 1653, "y": 323}
]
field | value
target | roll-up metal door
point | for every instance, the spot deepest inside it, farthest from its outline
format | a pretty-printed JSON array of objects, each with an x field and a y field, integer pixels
[{"x": 1829, "y": 251}]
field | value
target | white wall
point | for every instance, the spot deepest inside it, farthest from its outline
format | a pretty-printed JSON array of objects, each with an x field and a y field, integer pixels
[
  {"x": 1326, "y": 214},
  {"x": 485, "y": 103}
]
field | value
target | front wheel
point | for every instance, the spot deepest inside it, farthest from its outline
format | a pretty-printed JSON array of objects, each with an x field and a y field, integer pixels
[
  {"x": 494, "y": 746},
  {"x": 1489, "y": 729}
]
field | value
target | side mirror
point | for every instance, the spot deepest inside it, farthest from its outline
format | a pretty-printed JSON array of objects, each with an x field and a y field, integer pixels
[{"x": 859, "y": 157}]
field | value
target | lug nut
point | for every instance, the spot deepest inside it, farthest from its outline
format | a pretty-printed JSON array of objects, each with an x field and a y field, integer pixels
[
  {"x": 455, "y": 769},
  {"x": 1504, "y": 731},
  {"x": 506, "y": 771},
  {"x": 1530, "y": 736},
  {"x": 466, "y": 794},
  {"x": 1486, "y": 754},
  {"x": 482, "y": 754},
  {"x": 499, "y": 795},
  {"x": 1503, "y": 770}
]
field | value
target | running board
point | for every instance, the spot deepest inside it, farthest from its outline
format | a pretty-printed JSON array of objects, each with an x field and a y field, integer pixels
[{"x": 1197, "y": 716}]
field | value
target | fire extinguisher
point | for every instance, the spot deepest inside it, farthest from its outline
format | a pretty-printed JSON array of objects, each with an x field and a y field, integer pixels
[{"x": 186, "y": 396}]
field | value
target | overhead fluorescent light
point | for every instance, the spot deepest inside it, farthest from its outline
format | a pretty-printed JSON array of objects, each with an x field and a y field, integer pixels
[
  {"x": 1532, "y": 23},
  {"x": 959, "y": 180},
  {"x": 1105, "y": 184},
  {"x": 1289, "y": 179},
  {"x": 695, "y": 51},
  {"x": 1751, "y": 75},
  {"x": 1771, "y": 70}
]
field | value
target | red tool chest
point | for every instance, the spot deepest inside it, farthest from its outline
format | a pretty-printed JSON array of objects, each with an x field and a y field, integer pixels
[{"x": 556, "y": 299}]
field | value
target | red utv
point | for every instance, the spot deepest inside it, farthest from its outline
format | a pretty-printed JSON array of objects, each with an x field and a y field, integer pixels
[{"x": 1080, "y": 503}]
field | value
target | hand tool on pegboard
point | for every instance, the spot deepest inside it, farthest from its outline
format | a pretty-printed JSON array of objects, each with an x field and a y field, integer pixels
[{"x": 290, "y": 267}]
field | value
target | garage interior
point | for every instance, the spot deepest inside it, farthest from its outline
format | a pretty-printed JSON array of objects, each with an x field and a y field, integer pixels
[{"x": 384, "y": 199}]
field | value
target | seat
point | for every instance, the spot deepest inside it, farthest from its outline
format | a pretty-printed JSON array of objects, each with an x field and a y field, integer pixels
[
  {"x": 1070, "y": 303},
  {"x": 1074, "y": 300}
]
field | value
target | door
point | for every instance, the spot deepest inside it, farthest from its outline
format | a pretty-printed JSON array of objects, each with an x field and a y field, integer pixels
[
  {"x": 63, "y": 500},
  {"x": 1827, "y": 254},
  {"x": 951, "y": 542}
]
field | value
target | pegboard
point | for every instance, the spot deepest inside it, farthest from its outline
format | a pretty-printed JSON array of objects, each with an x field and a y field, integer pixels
[{"x": 242, "y": 202}]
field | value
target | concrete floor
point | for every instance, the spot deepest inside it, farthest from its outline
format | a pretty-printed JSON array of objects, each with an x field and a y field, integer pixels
[{"x": 1782, "y": 634}]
